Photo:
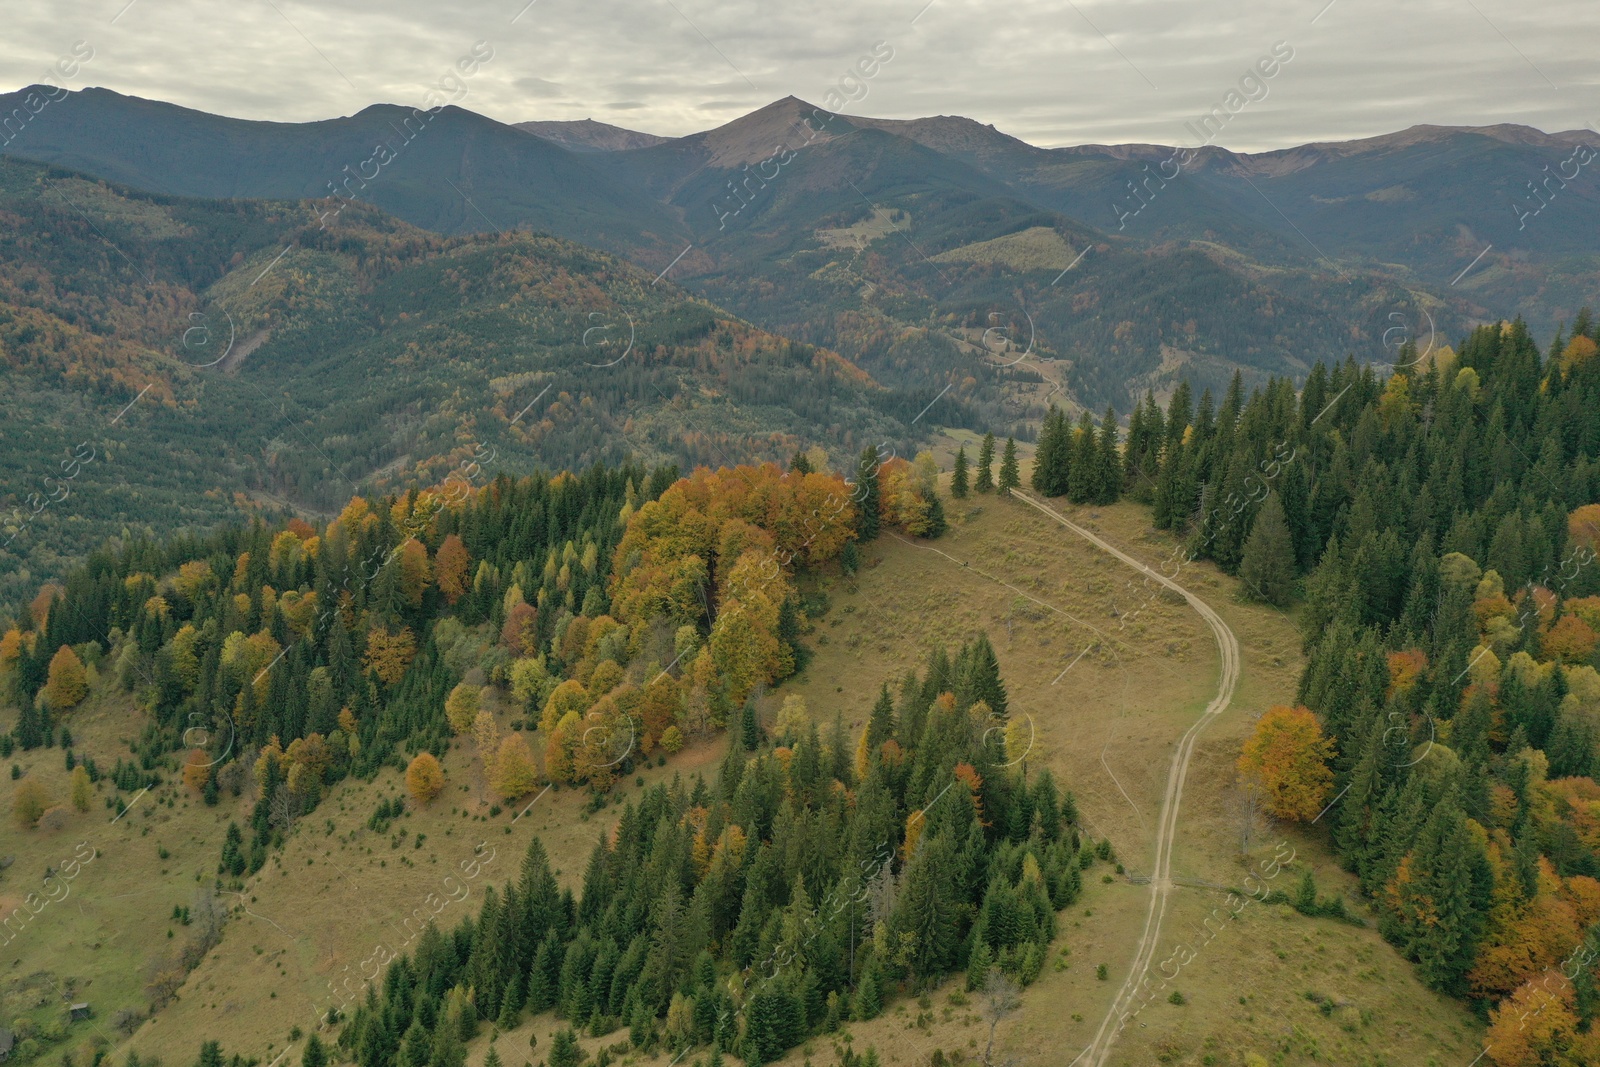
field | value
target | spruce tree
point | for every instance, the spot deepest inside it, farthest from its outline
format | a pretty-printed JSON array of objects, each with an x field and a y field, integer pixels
[
  {"x": 1084, "y": 481},
  {"x": 1009, "y": 478},
  {"x": 869, "y": 992},
  {"x": 1045, "y": 452},
  {"x": 986, "y": 464},
  {"x": 865, "y": 494},
  {"x": 880, "y": 722},
  {"x": 1268, "y": 565},
  {"x": 1109, "y": 477},
  {"x": 937, "y": 524},
  {"x": 749, "y": 726},
  {"x": 958, "y": 477},
  {"x": 315, "y": 1055},
  {"x": 564, "y": 1050}
]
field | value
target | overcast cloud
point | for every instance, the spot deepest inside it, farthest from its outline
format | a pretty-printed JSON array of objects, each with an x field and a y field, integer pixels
[{"x": 1052, "y": 73}]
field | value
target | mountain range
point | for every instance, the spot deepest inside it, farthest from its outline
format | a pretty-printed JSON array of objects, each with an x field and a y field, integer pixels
[
  {"x": 789, "y": 278},
  {"x": 778, "y": 217}
]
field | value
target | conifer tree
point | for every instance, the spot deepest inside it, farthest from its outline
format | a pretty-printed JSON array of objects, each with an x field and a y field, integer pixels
[
  {"x": 749, "y": 726},
  {"x": 1108, "y": 487},
  {"x": 1268, "y": 565},
  {"x": 985, "y": 482},
  {"x": 880, "y": 723},
  {"x": 865, "y": 494},
  {"x": 315, "y": 1055},
  {"x": 1009, "y": 478},
  {"x": 1045, "y": 452},
  {"x": 958, "y": 477},
  {"x": 1084, "y": 477},
  {"x": 868, "y": 1002},
  {"x": 564, "y": 1049}
]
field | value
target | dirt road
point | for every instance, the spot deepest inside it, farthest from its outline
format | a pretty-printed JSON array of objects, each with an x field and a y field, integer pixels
[{"x": 1161, "y": 876}]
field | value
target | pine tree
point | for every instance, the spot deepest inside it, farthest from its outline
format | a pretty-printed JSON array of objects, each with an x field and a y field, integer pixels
[
  {"x": 958, "y": 477},
  {"x": 1267, "y": 569},
  {"x": 315, "y": 1055},
  {"x": 1009, "y": 478},
  {"x": 985, "y": 482},
  {"x": 938, "y": 526}
]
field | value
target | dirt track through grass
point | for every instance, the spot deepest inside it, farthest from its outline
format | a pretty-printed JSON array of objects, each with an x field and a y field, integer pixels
[{"x": 1161, "y": 876}]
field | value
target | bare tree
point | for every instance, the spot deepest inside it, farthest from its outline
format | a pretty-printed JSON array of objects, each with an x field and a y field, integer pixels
[
  {"x": 283, "y": 809},
  {"x": 1001, "y": 999},
  {"x": 1247, "y": 808}
]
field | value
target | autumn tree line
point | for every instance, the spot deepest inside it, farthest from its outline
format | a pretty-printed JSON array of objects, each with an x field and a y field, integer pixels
[
  {"x": 1441, "y": 527},
  {"x": 817, "y": 875},
  {"x": 620, "y": 610}
]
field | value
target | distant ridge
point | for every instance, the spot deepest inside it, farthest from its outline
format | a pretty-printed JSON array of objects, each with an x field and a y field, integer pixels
[{"x": 587, "y": 135}]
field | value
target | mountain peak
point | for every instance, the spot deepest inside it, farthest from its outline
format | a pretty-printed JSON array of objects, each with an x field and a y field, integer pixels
[{"x": 756, "y": 136}]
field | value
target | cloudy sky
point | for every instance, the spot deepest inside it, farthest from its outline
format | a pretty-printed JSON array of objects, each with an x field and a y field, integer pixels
[{"x": 1053, "y": 72}]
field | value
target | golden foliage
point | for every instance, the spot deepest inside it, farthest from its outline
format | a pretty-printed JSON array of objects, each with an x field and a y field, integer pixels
[
  {"x": 68, "y": 682},
  {"x": 424, "y": 778},
  {"x": 388, "y": 655},
  {"x": 1288, "y": 757}
]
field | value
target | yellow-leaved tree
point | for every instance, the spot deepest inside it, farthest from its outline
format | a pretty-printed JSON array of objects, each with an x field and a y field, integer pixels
[
  {"x": 82, "y": 788},
  {"x": 29, "y": 802},
  {"x": 514, "y": 772},
  {"x": 461, "y": 707},
  {"x": 68, "y": 682}
]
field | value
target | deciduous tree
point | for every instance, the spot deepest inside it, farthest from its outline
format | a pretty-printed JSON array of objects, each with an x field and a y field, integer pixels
[
  {"x": 514, "y": 772},
  {"x": 450, "y": 568},
  {"x": 461, "y": 707},
  {"x": 1288, "y": 756},
  {"x": 68, "y": 682},
  {"x": 29, "y": 802},
  {"x": 424, "y": 777}
]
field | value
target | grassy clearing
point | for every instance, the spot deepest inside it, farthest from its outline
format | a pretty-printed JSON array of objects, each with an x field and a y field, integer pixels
[{"x": 1110, "y": 677}]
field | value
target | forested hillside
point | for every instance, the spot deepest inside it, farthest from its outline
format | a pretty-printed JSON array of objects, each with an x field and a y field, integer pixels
[
  {"x": 175, "y": 363},
  {"x": 1442, "y": 524},
  {"x": 625, "y": 610}
]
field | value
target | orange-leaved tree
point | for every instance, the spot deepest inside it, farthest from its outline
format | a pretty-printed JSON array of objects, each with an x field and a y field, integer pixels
[
  {"x": 1287, "y": 757},
  {"x": 196, "y": 770},
  {"x": 1537, "y": 1027},
  {"x": 424, "y": 778},
  {"x": 450, "y": 568}
]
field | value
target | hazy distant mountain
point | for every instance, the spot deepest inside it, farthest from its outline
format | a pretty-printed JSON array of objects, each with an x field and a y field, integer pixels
[
  {"x": 434, "y": 162},
  {"x": 871, "y": 235},
  {"x": 587, "y": 135}
]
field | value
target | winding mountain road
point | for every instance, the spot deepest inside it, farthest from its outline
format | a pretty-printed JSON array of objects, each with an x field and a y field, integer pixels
[{"x": 1161, "y": 877}]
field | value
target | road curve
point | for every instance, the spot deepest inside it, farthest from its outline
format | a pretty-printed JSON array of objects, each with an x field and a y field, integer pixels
[{"x": 1161, "y": 876}]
